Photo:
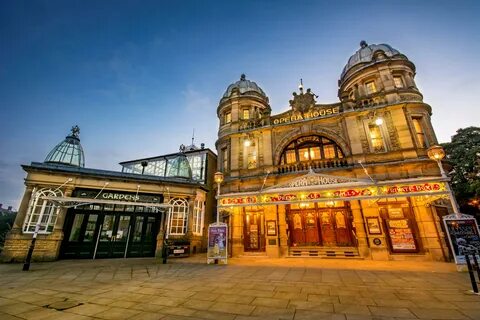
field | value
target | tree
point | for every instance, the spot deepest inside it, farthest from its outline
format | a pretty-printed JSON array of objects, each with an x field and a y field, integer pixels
[{"x": 463, "y": 153}]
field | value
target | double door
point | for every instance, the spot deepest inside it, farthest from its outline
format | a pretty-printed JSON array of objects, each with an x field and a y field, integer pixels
[
  {"x": 254, "y": 231},
  {"x": 109, "y": 235},
  {"x": 320, "y": 227}
]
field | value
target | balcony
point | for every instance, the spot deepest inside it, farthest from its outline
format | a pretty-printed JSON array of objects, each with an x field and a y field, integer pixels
[{"x": 319, "y": 164}]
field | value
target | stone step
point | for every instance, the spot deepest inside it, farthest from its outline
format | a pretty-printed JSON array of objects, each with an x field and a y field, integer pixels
[{"x": 324, "y": 252}]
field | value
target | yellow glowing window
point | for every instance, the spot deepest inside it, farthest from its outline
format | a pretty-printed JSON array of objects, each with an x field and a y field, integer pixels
[
  {"x": 398, "y": 82},
  {"x": 376, "y": 138},
  {"x": 303, "y": 153},
  {"x": 417, "y": 124},
  {"x": 225, "y": 159},
  {"x": 329, "y": 151},
  {"x": 315, "y": 153},
  {"x": 370, "y": 86},
  {"x": 290, "y": 156},
  {"x": 228, "y": 117},
  {"x": 246, "y": 114}
]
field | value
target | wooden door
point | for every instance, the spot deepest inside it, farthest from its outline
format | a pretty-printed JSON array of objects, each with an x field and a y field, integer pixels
[
  {"x": 253, "y": 232},
  {"x": 343, "y": 230},
  {"x": 303, "y": 226},
  {"x": 327, "y": 227}
]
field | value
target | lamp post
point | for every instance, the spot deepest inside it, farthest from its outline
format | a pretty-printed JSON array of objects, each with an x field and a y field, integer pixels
[
  {"x": 437, "y": 153},
  {"x": 218, "y": 177}
]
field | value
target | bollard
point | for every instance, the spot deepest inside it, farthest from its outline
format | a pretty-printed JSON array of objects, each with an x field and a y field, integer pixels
[{"x": 472, "y": 275}]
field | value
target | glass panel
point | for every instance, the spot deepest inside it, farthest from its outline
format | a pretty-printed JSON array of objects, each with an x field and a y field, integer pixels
[
  {"x": 315, "y": 153},
  {"x": 130, "y": 208},
  {"x": 303, "y": 153},
  {"x": 107, "y": 228},
  {"x": 398, "y": 82},
  {"x": 149, "y": 229},
  {"x": 417, "y": 124},
  {"x": 329, "y": 151},
  {"x": 137, "y": 232},
  {"x": 371, "y": 87},
  {"x": 77, "y": 225},
  {"x": 228, "y": 117},
  {"x": 119, "y": 207},
  {"x": 290, "y": 156},
  {"x": 90, "y": 230},
  {"x": 122, "y": 230},
  {"x": 108, "y": 207}
]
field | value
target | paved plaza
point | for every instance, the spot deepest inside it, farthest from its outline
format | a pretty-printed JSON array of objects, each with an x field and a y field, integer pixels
[{"x": 251, "y": 288}]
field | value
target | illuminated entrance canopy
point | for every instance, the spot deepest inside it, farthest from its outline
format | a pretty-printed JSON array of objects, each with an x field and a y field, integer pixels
[{"x": 314, "y": 187}]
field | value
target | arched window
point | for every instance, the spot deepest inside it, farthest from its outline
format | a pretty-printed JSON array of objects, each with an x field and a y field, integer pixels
[
  {"x": 178, "y": 217},
  {"x": 42, "y": 212},
  {"x": 311, "y": 148}
]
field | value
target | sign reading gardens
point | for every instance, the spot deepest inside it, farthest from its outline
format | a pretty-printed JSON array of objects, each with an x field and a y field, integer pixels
[
  {"x": 118, "y": 195},
  {"x": 311, "y": 114}
]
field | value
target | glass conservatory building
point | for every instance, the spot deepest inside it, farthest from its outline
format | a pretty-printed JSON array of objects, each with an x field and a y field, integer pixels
[{"x": 79, "y": 212}]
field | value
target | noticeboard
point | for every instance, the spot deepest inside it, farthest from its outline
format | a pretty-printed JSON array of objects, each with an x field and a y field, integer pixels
[
  {"x": 401, "y": 236},
  {"x": 217, "y": 243},
  {"x": 463, "y": 236}
]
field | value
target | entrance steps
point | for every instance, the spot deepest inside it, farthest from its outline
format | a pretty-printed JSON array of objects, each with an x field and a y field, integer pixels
[
  {"x": 324, "y": 252},
  {"x": 253, "y": 255}
]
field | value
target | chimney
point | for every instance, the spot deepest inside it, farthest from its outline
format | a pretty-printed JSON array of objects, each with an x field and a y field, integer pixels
[{"x": 9, "y": 208}]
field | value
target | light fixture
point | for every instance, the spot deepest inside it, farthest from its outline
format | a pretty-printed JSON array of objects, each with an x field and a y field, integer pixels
[
  {"x": 218, "y": 177},
  {"x": 330, "y": 204},
  {"x": 436, "y": 153},
  {"x": 378, "y": 121},
  {"x": 247, "y": 142}
]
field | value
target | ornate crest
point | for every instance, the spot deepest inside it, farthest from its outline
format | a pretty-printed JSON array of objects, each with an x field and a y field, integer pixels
[{"x": 302, "y": 102}]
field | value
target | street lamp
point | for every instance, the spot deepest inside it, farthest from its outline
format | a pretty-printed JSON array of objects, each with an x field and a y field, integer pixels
[
  {"x": 437, "y": 153},
  {"x": 218, "y": 177}
]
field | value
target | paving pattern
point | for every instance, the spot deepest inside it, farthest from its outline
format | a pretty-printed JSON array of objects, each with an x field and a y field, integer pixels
[{"x": 250, "y": 288}]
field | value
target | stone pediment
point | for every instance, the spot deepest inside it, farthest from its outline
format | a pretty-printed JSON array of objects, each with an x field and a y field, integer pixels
[{"x": 312, "y": 179}]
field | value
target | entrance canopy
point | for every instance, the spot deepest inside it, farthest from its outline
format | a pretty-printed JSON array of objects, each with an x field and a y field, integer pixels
[
  {"x": 69, "y": 202},
  {"x": 314, "y": 187}
]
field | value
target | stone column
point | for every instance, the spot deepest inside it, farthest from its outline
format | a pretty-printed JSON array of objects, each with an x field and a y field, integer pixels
[
  {"x": 409, "y": 80},
  {"x": 359, "y": 224},
  {"x": 282, "y": 230}
]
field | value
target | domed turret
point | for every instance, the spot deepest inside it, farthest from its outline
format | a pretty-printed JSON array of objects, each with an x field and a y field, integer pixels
[
  {"x": 244, "y": 86},
  {"x": 69, "y": 151},
  {"x": 367, "y": 55}
]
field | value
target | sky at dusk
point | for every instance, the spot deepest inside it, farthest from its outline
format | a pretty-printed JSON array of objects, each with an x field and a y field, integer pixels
[{"x": 139, "y": 76}]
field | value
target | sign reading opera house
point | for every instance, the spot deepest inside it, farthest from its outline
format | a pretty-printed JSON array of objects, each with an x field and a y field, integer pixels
[{"x": 350, "y": 178}]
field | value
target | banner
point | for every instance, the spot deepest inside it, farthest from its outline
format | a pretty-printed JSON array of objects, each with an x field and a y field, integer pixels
[{"x": 217, "y": 243}]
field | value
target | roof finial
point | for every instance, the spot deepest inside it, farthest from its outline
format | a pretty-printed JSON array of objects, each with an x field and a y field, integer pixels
[
  {"x": 300, "y": 87},
  {"x": 363, "y": 44},
  {"x": 75, "y": 131},
  {"x": 193, "y": 136},
  {"x": 243, "y": 77}
]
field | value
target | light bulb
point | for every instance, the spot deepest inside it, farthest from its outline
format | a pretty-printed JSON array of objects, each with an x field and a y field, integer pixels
[
  {"x": 379, "y": 121},
  {"x": 247, "y": 143}
]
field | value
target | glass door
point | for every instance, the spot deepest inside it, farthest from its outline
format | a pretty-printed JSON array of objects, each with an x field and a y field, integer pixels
[
  {"x": 122, "y": 236},
  {"x": 105, "y": 237}
]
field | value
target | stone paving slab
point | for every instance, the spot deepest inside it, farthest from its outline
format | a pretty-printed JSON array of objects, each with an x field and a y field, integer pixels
[{"x": 244, "y": 289}]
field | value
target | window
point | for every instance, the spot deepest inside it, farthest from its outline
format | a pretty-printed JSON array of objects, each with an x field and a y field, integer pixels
[
  {"x": 246, "y": 114},
  {"x": 178, "y": 217},
  {"x": 371, "y": 88},
  {"x": 252, "y": 158},
  {"x": 376, "y": 138},
  {"x": 398, "y": 81},
  {"x": 419, "y": 132},
  {"x": 228, "y": 117},
  {"x": 42, "y": 213},
  {"x": 197, "y": 164},
  {"x": 198, "y": 216},
  {"x": 311, "y": 148},
  {"x": 224, "y": 159}
]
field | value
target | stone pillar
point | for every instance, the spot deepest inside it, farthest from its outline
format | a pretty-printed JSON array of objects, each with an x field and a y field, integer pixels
[
  {"x": 22, "y": 210},
  {"x": 409, "y": 80},
  {"x": 282, "y": 230},
  {"x": 359, "y": 224},
  {"x": 378, "y": 251},
  {"x": 237, "y": 231},
  {"x": 272, "y": 246}
]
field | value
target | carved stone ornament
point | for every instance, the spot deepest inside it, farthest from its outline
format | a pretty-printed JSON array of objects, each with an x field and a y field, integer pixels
[{"x": 302, "y": 102}]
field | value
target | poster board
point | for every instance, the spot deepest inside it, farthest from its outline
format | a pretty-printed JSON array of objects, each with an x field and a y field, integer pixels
[
  {"x": 217, "y": 243},
  {"x": 401, "y": 236},
  {"x": 463, "y": 236}
]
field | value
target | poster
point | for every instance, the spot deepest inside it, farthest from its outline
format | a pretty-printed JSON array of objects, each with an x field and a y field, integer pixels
[
  {"x": 463, "y": 237},
  {"x": 217, "y": 243},
  {"x": 373, "y": 225},
  {"x": 401, "y": 236}
]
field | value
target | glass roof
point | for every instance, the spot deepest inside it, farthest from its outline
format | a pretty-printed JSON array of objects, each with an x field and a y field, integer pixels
[{"x": 69, "y": 151}]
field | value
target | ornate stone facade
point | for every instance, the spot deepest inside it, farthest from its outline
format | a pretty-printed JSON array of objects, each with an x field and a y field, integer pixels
[{"x": 379, "y": 131}]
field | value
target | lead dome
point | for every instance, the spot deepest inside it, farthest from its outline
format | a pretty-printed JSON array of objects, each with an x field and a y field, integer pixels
[
  {"x": 366, "y": 55},
  {"x": 243, "y": 86}
]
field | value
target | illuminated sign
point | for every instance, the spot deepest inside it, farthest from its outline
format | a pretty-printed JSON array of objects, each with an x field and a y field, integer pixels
[
  {"x": 307, "y": 115},
  {"x": 369, "y": 191}
]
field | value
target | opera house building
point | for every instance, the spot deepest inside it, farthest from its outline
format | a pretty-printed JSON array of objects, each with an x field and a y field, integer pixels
[{"x": 344, "y": 179}]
